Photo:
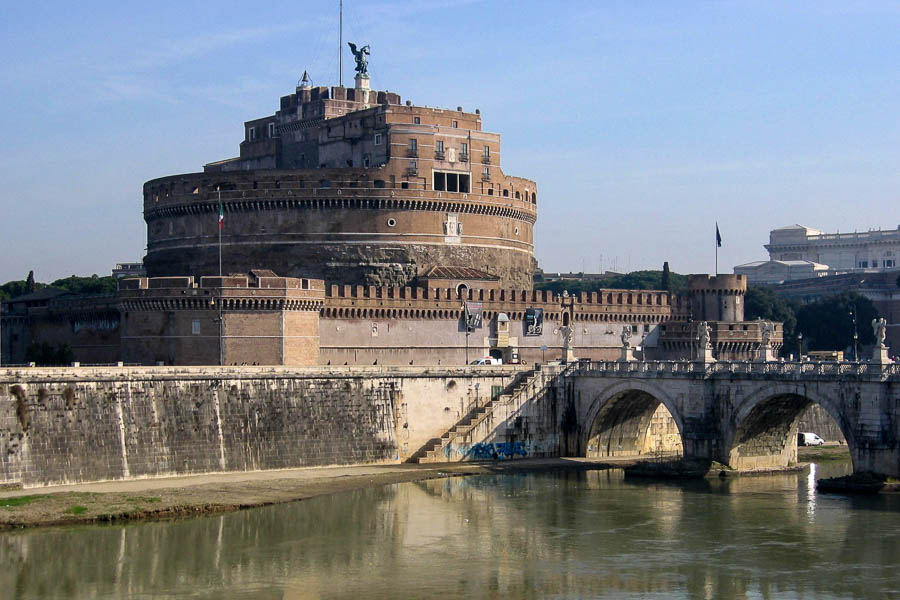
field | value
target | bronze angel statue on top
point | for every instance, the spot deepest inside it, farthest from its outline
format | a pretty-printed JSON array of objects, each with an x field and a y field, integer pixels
[{"x": 362, "y": 65}]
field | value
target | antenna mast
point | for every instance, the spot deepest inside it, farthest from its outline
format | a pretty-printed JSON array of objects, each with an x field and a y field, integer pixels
[{"x": 340, "y": 45}]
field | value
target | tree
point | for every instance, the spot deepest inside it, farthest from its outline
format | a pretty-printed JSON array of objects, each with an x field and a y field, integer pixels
[
  {"x": 45, "y": 354},
  {"x": 29, "y": 283},
  {"x": 666, "y": 283},
  {"x": 636, "y": 280},
  {"x": 87, "y": 285},
  {"x": 827, "y": 324}
]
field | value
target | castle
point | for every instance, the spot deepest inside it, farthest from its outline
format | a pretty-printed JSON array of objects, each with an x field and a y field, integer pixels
[{"x": 356, "y": 229}]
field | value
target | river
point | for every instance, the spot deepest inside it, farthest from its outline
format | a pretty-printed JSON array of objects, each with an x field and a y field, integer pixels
[{"x": 538, "y": 535}]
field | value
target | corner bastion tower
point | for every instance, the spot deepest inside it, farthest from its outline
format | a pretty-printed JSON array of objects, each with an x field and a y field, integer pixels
[{"x": 352, "y": 186}]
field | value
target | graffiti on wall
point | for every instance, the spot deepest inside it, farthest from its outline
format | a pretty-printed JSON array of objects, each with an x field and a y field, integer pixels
[{"x": 493, "y": 451}]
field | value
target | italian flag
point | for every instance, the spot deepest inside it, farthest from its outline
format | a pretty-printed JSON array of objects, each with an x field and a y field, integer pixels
[{"x": 221, "y": 214}]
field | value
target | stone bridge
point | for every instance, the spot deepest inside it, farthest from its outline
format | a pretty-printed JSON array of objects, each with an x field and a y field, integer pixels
[
  {"x": 741, "y": 414},
  {"x": 78, "y": 424}
]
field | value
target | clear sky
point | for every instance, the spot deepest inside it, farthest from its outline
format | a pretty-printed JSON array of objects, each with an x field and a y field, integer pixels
[{"x": 642, "y": 122}]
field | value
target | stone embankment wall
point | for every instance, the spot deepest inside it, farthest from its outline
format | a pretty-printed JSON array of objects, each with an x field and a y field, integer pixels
[{"x": 90, "y": 424}]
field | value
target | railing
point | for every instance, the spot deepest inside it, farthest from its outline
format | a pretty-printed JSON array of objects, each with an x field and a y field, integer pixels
[
  {"x": 439, "y": 155},
  {"x": 810, "y": 370},
  {"x": 412, "y": 171},
  {"x": 485, "y": 160},
  {"x": 485, "y": 176},
  {"x": 411, "y": 153},
  {"x": 463, "y": 157}
]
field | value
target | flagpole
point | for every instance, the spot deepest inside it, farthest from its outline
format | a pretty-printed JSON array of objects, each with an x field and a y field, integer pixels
[
  {"x": 718, "y": 243},
  {"x": 221, "y": 283},
  {"x": 220, "y": 233}
]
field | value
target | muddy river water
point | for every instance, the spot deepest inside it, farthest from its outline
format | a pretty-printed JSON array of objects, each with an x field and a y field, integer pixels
[{"x": 539, "y": 535}]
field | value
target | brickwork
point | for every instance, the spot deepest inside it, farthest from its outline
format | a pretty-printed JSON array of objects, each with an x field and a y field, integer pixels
[{"x": 353, "y": 192}]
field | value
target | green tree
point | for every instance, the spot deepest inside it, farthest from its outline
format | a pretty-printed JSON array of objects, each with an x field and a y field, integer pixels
[
  {"x": 636, "y": 280},
  {"x": 827, "y": 324},
  {"x": 87, "y": 285},
  {"x": 666, "y": 282},
  {"x": 13, "y": 289},
  {"x": 45, "y": 354}
]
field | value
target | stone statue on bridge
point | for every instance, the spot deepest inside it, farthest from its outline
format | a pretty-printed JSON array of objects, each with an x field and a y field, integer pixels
[
  {"x": 626, "y": 336},
  {"x": 767, "y": 331},
  {"x": 704, "y": 331},
  {"x": 879, "y": 328}
]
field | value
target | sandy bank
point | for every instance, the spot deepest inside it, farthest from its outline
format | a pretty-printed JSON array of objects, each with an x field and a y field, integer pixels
[{"x": 196, "y": 494}]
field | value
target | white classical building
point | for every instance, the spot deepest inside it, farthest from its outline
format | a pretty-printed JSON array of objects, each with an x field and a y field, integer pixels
[
  {"x": 877, "y": 250},
  {"x": 799, "y": 252}
]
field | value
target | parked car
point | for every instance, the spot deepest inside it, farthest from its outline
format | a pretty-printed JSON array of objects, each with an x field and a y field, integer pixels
[
  {"x": 809, "y": 439},
  {"x": 487, "y": 360}
]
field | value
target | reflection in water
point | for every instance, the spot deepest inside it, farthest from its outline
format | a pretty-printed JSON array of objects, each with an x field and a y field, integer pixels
[{"x": 565, "y": 534}]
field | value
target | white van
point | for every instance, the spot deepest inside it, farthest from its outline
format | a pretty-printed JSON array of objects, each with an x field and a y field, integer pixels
[
  {"x": 809, "y": 439},
  {"x": 487, "y": 360}
]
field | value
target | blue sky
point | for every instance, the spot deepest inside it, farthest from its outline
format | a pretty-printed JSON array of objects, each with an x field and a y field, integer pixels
[{"x": 642, "y": 122}]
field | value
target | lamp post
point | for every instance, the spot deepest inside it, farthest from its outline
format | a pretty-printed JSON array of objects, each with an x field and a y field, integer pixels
[
  {"x": 855, "y": 336},
  {"x": 800, "y": 347}
]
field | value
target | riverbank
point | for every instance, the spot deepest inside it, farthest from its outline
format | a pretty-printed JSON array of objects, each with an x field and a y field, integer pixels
[{"x": 163, "y": 498}]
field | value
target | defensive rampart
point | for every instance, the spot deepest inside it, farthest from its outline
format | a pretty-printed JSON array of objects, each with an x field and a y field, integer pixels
[{"x": 89, "y": 424}]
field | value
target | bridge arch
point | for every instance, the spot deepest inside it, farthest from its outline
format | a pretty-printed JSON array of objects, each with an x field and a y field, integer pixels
[
  {"x": 619, "y": 421},
  {"x": 762, "y": 433}
]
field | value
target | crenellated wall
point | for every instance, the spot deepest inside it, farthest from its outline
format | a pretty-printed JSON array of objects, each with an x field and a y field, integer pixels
[{"x": 408, "y": 326}]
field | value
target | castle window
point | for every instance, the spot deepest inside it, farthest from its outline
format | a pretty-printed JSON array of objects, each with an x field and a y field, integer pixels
[
  {"x": 517, "y": 196},
  {"x": 440, "y": 146},
  {"x": 377, "y": 139},
  {"x": 379, "y": 183},
  {"x": 195, "y": 327},
  {"x": 506, "y": 193},
  {"x": 490, "y": 191},
  {"x": 888, "y": 263},
  {"x": 404, "y": 185},
  {"x": 417, "y": 120},
  {"x": 455, "y": 124},
  {"x": 486, "y": 151},
  {"x": 251, "y": 134},
  {"x": 451, "y": 182},
  {"x": 863, "y": 264},
  {"x": 324, "y": 183},
  {"x": 533, "y": 198},
  {"x": 365, "y": 160},
  {"x": 486, "y": 173},
  {"x": 271, "y": 130},
  {"x": 392, "y": 222}
]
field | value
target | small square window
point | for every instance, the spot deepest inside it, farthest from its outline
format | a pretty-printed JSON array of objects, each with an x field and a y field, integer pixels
[
  {"x": 455, "y": 124},
  {"x": 417, "y": 120},
  {"x": 195, "y": 327},
  {"x": 377, "y": 139}
]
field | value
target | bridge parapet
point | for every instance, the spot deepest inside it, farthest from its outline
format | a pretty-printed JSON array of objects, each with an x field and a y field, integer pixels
[{"x": 810, "y": 371}]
